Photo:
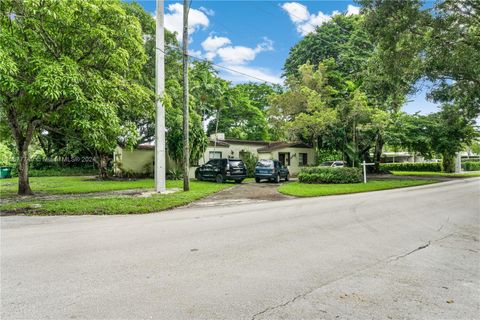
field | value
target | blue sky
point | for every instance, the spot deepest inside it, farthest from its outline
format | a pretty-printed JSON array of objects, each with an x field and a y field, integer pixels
[{"x": 254, "y": 37}]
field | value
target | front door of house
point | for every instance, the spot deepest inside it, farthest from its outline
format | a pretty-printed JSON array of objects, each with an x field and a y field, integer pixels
[{"x": 284, "y": 158}]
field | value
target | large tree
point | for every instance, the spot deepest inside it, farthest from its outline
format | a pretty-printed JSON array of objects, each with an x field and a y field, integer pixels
[
  {"x": 441, "y": 43},
  {"x": 397, "y": 29},
  {"x": 307, "y": 109},
  {"x": 343, "y": 38},
  {"x": 238, "y": 117},
  {"x": 75, "y": 62},
  {"x": 453, "y": 55}
]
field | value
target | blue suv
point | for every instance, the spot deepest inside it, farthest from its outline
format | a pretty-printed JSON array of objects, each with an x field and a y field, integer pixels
[{"x": 271, "y": 170}]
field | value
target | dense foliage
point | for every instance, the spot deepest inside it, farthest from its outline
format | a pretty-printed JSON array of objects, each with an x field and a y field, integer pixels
[
  {"x": 411, "y": 166},
  {"x": 330, "y": 175},
  {"x": 348, "y": 80},
  {"x": 342, "y": 39},
  {"x": 72, "y": 65},
  {"x": 471, "y": 166}
]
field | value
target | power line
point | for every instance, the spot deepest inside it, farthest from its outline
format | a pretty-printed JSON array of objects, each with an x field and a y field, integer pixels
[
  {"x": 189, "y": 6},
  {"x": 220, "y": 66}
]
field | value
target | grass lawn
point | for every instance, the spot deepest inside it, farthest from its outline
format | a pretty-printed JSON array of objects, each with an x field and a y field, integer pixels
[
  {"x": 74, "y": 184},
  {"x": 119, "y": 204},
  {"x": 314, "y": 190},
  {"x": 437, "y": 174},
  {"x": 83, "y": 184}
]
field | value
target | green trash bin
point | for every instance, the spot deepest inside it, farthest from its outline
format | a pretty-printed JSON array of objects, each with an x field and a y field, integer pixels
[{"x": 5, "y": 172}]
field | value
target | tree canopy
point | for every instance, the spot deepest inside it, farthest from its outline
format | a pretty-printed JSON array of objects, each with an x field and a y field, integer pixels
[
  {"x": 73, "y": 65},
  {"x": 372, "y": 62}
]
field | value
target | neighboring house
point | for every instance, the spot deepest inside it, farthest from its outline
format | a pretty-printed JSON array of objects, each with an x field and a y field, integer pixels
[
  {"x": 294, "y": 155},
  {"x": 401, "y": 156}
]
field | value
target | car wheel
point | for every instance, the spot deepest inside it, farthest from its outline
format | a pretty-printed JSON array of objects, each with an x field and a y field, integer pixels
[
  {"x": 277, "y": 178},
  {"x": 257, "y": 180},
  {"x": 238, "y": 181},
  {"x": 286, "y": 178},
  {"x": 219, "y": 178},
  {"x": 198, "y": 177}
]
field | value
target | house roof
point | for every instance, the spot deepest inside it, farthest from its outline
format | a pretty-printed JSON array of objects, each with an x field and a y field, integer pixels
[
  {"x": 249, "y": 142},
  {"x": 264, "y": 145},
  {"x": 280, "y": 145},
  {"x": 220, "y": 143}
]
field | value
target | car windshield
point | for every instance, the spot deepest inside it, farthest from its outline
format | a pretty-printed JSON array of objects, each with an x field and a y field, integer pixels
[
  {"x": 236, "y": 163},
  {"x": 327, "y": 163},
  {"x": 265, "y": 163}
]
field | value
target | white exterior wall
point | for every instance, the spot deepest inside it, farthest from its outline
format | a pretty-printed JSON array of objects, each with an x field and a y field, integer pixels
[
  {"x": 136, "y": 160},
  {"x": 294, "y": 166}
]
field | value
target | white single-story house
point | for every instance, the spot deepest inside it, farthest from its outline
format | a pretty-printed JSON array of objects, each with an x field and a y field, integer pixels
[
  {"x": 294, "y": 155},
  {"x": 401, "y": 156}
]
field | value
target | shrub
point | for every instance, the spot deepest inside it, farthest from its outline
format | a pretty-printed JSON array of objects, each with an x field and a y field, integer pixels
[
  {"x": 471, "y": 166},
  {"x": 250, "y": 162},
  {"x": 328, "y": 155},
  {"x": 6, "y": 156},
  {"x": 175, "y": 174},
  {"x": 411, "y": 166},
  {"x": 330, "y": 175}
]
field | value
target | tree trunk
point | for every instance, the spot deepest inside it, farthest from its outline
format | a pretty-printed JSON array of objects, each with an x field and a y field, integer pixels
[
  {"x": 102, "y": 166},
  {"x": 22, "y": 142},
  {"x": 23, "y": 181},
  {"x": 378, "y": 152},
  {"x": 448, "y": 163}
]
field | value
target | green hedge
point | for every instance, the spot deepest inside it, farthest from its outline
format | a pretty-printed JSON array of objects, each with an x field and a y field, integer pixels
[
  {"x": 330, "y": 175},
  {"x": 411, "y": 166},
  {"x": 471, "y": 166}
]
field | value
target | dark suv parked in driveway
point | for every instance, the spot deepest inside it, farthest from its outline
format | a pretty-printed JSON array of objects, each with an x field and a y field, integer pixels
[
  {"x": 221, "y": 170},
  {"x": 272, "y": 170}
]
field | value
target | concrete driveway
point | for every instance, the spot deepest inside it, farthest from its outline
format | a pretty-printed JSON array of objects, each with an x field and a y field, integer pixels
[
  {"x": 245, "y": 193},
  {"x": 398, "y": 254}
]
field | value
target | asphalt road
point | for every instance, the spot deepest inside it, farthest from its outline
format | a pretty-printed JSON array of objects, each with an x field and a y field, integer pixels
[{"x": 399, "y": 254}]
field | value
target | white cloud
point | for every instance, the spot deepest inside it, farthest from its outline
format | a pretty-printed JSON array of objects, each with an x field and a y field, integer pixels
[
  {"x": 297, "y": 12},
  {"x": 236, "y": 54},
  {"x": 351, "y": 9},
  {"x": 305, "y": 22},
  {"x": 237, "y": 58},
  {"x": 212, "y": 44},
  {"x": 230, "y": 54},
  {"x": 208, "y": 12},
  {"x": 195, "y": 53},
  {"x": 174, "y": 19}
]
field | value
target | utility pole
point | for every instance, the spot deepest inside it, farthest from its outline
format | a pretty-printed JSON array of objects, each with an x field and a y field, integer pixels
[
  {"x": 159, "y": 109},
  {"x": 186, "y": 154}
]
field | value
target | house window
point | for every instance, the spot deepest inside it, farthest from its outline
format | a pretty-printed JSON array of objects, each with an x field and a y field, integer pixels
[
  {"x": 214, "y": 155},
  {"x": 302, "y": 159},
  {"x": 284, "y": 158}
]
